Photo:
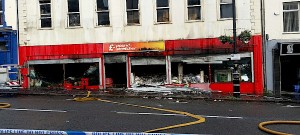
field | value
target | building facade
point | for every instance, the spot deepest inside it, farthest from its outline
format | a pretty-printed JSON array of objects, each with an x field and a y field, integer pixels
[
  {"x": 133, "y": 42},
  {"x": 282, "y": 46},
  {"x": 9, "y": 36}
]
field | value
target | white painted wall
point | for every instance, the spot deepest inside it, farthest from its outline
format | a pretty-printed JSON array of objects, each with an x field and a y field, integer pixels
[
  {"x": 11, "y": 13},
  {"x": 209, "y": 27},
  {"x": 274, "y": 20}
]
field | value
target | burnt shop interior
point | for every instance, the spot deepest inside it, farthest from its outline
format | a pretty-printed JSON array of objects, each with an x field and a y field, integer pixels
[
  {"x": 115, "y": 70},
  {"x": 148, "y": 71},
  {"x": 196, "y": 69},
  {"x": 60, "y": 76}
]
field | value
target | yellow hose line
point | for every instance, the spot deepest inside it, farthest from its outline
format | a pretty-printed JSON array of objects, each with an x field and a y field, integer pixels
[
  {"x": 4, "y": 105},
  {"x": 261, "y": 126},
  {"x": 199, "y": 118}
]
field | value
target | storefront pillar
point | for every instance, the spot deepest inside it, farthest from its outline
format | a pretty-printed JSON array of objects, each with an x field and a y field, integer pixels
[
  {"x": 180, "y": 73},
  {"x": 168, "y": 69},
  {"x": 102, "y": 79},
  {"x": 128, "y": 70}
]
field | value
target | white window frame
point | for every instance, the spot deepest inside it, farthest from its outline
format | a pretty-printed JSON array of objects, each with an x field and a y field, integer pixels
[
  {"x": 128, "y": 10},
  {"x": 68, "y": 17},
  {"x": 40, "y": 17},
  {"x": 187, "y": 11},
  {"x": 158, "y": 8},
  {"x": 220, "y": 17},
  {"x": 102, "y": 11},
  {"x": 292, "y": 10}
]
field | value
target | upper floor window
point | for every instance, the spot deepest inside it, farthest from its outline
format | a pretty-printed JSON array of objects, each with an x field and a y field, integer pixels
[
  {"x": 226, "y": 9},
  {"x": 45, "y": 14},
  {"x": 73, "y": 13},
  {"x": 103, "y": 12},
  {"x": 194, "y": 9},
  {"x": 291, "y": 17},
  {"x": 1, "y": 13},
  {"x": 162, "y": 11},
  {"x": 133, "y": 12}
]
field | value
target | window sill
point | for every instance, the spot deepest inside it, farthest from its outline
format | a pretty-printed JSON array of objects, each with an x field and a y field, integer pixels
[
  {"x": 133, "y": 25},
  {"x": 291, "y": 32},
  {"x": 158, "y": 23},
  {"x": 45, "y": 28},
  {"x": 193, "y": 21},
  {"x": 224, "y": 19},
  {"x": 75, "y": 27},
  {"x": 100, "y": 26}
]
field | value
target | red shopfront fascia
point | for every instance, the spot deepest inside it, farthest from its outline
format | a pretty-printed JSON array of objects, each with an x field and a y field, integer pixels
[
  {"x": 57, "y": 52},
  {"x": 213, "y": 45}
]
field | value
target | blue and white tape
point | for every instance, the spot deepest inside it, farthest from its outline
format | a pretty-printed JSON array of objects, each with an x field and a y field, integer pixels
[{"x": 53, "y": 132}]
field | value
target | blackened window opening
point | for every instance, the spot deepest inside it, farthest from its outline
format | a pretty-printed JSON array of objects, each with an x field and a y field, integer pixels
[
  {"x": 103, "y": 12},
  {"x": 73, "y": 13},
  {"x": 45, "y": 14}
]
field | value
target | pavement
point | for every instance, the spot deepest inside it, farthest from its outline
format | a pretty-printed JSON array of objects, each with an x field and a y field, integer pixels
[{"x": 191, "y": 95}]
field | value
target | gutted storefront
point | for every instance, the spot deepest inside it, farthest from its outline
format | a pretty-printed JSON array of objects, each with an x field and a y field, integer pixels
[
  {"x": 62, "y": 66},
  {"x": 142, "y": 62},
  {"x": 208, "y": 64}
]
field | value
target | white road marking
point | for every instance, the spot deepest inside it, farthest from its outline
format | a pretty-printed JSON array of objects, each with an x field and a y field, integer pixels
[
  {"x": 33, "y": 110},
  {"x": 291, "y": 106},
  {"x": 166, "y": 114}
]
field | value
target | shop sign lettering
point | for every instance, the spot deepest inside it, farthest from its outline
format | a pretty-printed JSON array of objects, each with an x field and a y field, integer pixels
[{"x": 133, "y": 47}]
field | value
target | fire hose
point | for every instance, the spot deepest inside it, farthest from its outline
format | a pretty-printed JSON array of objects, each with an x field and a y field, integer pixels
[
  {"x": 199, "y": 119},
  {"x": 4, "y": 105},
  {"x": 262, "y": 124}
]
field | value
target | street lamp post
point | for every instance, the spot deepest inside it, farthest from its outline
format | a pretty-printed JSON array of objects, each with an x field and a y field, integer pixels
[{"x": 235, "y": 73}]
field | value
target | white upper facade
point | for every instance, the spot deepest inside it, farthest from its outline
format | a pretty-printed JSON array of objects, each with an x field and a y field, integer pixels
[
  {"x": 8, "y": 13},
  {"x": 282, "y": 19},
  {"x": 54, "y": 22}
]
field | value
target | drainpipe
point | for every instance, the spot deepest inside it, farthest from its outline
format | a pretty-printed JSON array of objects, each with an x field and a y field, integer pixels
[{"x": 264, "y": 41}]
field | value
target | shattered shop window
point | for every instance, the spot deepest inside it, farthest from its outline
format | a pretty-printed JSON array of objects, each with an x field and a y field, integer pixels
[
  {"x": 291, "y": 17},
  {"x": 162, "y": 11},
  {"x": 73, "y": 13},
  {"x": 3, "y": 46},
  {"x": 194, "y": 9},
  {"x": 45, "y": 14},
  {"x": 133, "y": 12},
  {"x": 103, "y": 12},
  {"x": 226, "y": 9}
]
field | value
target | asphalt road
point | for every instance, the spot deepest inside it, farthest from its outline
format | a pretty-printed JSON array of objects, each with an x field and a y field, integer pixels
[{"x": 222, "y": 117}]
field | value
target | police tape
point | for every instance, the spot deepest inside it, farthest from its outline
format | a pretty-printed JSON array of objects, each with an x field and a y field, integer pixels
[{"x": 53, "y": 132}]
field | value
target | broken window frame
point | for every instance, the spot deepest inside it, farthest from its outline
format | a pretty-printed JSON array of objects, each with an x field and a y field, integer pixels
[
  {"x": 162, "y": 8},
  {"x": 133, "y": 11},
  {"x": 3, "y": 46},
  {"x": 225, "y": 13},
  {"x": 199, "y": 7},
  {"x": 291, "y": 17},
  {"x": 77, "y": 22},
  {"x": 100, "y": 11},
  {"x": 45, "y": 16}
]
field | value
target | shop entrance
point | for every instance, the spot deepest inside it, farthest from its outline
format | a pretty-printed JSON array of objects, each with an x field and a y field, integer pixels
[
  {"x": 116, "y": 75},
  {"x": 290, "y": 73}
]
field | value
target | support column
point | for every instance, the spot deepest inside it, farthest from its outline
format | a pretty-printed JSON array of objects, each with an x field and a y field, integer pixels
[
  {"x": 168, "y": 69},
  {"x": 102, "y": 73},
  {"x": 128, "y": 71},
  {"x": 180, "y": 73}
]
